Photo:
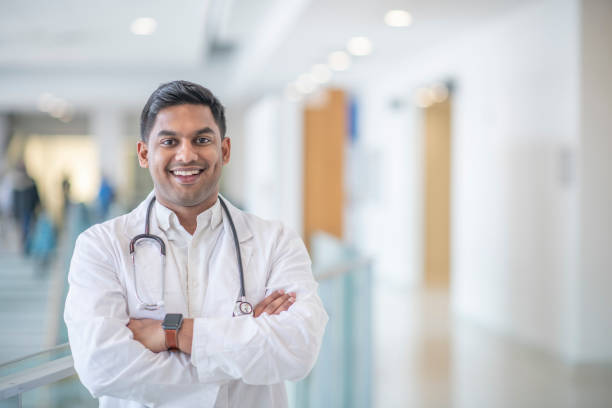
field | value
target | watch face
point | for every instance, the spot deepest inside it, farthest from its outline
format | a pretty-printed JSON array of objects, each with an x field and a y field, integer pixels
[{"x": 172, "y": 321}]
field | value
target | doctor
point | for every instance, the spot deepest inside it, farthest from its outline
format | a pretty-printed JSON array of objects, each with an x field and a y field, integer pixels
[{"x": 176, "y": 331}]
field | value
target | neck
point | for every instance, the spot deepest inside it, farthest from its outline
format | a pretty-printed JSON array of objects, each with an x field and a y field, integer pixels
[{"x": 188, "y": 216}]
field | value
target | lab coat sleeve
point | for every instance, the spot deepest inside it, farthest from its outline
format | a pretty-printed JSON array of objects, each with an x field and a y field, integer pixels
[
  {"x": 271, "y": 348},
  {"x": 107, "y": 359}
]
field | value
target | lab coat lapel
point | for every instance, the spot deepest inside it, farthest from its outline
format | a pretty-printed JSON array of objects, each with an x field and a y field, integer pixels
[
  {"x": 244, "y": 236},
  {"x": 149, "y": 286},
  {"x": 135, "y": 222},
  {"x": 224, "y": 277}
]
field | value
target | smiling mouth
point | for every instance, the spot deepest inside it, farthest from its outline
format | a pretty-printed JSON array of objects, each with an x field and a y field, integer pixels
[{"x": 192, "y": 172}]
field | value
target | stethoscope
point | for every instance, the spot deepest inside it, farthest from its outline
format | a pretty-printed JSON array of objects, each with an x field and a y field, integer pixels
[{"x": 241, "y": 308}]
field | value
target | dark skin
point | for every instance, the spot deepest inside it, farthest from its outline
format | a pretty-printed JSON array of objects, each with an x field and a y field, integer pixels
[{"x": 186, "y": 138}]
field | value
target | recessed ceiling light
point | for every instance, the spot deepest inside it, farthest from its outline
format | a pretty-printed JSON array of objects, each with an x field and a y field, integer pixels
[
  {"x": 305, "y": 83},
  {"x": 339, "y": 61},
  {"x": 45, "y": 102},
  {"x": 321, "y": 73},
  {"x": 440, "y": 92},
  {"x": 143, "y": 26},
  {"x": 291, "y": 92},
  {"x": 398, "y": 18},
  {"x": 359, "y": 46},
  {"x": 424, "y": 97}
]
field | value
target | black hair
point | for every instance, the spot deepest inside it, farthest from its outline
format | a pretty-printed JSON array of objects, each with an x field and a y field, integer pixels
[{"x": 179, "y": 93}]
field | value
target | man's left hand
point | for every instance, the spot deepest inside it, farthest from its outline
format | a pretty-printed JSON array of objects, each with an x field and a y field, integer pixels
[{"x": 150, "y": 333}]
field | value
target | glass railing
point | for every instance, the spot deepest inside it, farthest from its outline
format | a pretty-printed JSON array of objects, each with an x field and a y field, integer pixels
[
  {"x": 44, "y": 379},
  {"x": 342, "y": 376}
]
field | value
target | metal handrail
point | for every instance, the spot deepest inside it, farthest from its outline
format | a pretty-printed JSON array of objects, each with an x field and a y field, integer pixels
[
  {"x": 343, "y": 268},
  {"x": 46, "y": 373},
  {"x": 38, "y": 353}
]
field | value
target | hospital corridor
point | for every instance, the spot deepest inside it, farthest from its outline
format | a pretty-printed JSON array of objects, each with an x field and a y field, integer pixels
[{"x": 337, "y": 203}]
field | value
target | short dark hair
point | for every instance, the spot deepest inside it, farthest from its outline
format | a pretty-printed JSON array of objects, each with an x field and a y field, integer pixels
[{"x": 179, "y": 93}]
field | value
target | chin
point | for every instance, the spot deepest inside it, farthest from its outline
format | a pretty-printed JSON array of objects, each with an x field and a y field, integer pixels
[{"x": 192, "y": 201}]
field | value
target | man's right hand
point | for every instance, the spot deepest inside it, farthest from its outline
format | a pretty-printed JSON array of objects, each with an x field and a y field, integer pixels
[{"x": 277, "y": 302}]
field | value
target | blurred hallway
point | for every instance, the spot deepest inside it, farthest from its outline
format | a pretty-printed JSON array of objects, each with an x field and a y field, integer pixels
[
  {"x": 24, "y": 296},
  {"x": 330, "y": 106}
]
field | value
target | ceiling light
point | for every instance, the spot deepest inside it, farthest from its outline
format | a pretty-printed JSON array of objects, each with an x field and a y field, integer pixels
[
  {"x": 359, "y": 46},
  {"x": 59, "y": 109},
  {"x": 143, "y": 26},
  {"x": 424, "y": 97},
  {"x": 305, "y": 84},
  {"x": 339, "y": 61},
  {"x": 321, "y": 73},
  {"x": 291, "y": 93},
  {"x": 398, "y": 18},
  {"x": 318, "y": 99},
  {"x": 45, "y": 102},
  {"x": 440, "y": 92}
]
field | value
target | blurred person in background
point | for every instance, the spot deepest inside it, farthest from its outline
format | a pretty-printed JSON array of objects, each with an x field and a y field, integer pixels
[
  {"x": 65, "y": 194},
  {"x": 43, "y": 242},
  {"x": 106, "y": 196},
  {"x": 25, "y": 203},
  {"x": 169, "y": 317}
]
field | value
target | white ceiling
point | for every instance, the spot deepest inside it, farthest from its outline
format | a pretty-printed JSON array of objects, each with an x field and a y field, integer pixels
[{"x": 83, "y": 51}]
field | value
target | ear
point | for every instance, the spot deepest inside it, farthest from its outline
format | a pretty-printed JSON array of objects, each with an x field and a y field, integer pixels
[
  {"x": 143, "y": 154},
  {"x": 226, "y": 147}
]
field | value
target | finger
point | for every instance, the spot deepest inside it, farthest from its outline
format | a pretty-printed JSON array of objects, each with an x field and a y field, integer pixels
[
  {"x": 269, "y": 299},
  {"x": 284, "y": 306},
  {"x": 276, "y": 303}
]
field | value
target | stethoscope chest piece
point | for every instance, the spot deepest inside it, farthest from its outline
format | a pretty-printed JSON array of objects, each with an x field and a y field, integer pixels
[{"x": 242, "y": 307}]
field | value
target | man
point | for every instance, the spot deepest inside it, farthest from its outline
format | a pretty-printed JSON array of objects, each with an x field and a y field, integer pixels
[{"x": 220, "y": 352}]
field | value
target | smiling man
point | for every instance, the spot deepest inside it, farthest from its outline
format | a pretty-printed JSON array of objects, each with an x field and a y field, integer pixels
[{"x": 187, "y": 301}]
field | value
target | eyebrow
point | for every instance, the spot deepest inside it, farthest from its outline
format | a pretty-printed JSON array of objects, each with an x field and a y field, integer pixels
[{"x": 203, "y": 131}]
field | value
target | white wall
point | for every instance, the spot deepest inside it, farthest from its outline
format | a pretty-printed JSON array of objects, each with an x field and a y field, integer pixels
[
  {"x": 385, "y": 203},
  {"x": 272, "y": 171},
  {"x": 593, "y": 283},
  {"x": 513, "y": 210},
  {"x": 514, "y": 191},
  {"x": 107, "y": 128}
]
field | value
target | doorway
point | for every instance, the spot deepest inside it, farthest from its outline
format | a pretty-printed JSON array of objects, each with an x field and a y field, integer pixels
[{"x": 437, "y": 192}]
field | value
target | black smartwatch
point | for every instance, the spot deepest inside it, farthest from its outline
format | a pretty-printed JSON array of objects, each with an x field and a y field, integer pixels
[{"x": 171, "y": 325}]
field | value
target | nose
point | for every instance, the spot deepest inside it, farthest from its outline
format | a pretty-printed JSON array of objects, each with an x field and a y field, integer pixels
[{"x": 186, "y": 153}]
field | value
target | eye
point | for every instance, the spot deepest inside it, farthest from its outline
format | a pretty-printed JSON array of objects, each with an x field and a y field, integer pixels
[
  {"x": 202, "y": 140},
  {"x": 167, "y": 142}
]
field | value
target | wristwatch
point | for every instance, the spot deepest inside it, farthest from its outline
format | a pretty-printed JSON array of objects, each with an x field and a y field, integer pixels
[{"x": 171, "y": 325}]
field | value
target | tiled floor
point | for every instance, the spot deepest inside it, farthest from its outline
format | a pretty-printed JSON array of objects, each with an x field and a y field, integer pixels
[{"x": 424, "y": 358}]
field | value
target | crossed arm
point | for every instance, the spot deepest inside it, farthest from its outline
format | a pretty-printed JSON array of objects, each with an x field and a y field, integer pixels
[{"x": 149, "y": 332}]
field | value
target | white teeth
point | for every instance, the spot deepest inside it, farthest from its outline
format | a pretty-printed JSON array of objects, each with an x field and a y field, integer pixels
[{"x": 185, "y": 172}]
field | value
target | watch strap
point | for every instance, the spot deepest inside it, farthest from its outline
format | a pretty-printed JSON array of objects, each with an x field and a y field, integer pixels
[{"x": 171, "y": 338}]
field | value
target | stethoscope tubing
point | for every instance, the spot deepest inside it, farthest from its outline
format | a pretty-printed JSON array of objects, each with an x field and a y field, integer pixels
[{"x": 243, "y": 306}]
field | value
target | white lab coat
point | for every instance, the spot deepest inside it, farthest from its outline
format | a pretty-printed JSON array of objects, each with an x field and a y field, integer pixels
[{"x": 235, "y": 361}]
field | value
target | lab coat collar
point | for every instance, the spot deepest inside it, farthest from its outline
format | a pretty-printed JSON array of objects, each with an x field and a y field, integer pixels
[
  {"x": 136, "y": 220},
  {"x": 166, "y": 218}
]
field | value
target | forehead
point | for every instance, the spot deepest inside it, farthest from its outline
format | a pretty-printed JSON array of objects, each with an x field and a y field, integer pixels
[{"x": 184, "y": 119}]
